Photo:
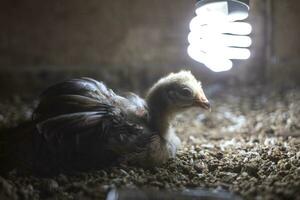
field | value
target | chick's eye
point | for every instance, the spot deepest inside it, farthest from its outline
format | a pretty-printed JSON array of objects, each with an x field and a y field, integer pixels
[{"x": 186, "y": 92}]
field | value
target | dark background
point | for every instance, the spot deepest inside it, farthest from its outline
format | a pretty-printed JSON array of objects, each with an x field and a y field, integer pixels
[{"x": 131, "y": 43}]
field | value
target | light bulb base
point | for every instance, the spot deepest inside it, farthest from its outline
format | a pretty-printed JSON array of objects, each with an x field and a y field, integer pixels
[{"x": 234, "y": 6}]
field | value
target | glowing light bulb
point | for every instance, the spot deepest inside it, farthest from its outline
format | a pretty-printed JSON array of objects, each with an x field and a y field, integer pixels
[{"x": 218, "y": 35}]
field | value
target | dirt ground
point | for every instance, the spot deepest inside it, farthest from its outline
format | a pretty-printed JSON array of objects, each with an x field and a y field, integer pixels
[{"x": 248, "y": 144}]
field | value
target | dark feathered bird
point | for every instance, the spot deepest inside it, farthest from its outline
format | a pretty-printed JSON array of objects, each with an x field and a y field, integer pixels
[{"x": 81, "y": 124}]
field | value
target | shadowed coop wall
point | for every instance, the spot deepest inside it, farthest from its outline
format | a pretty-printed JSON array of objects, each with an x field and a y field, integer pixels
[
  {"x": 129, "y": 44},
  {"x": 283, "y": 53}
]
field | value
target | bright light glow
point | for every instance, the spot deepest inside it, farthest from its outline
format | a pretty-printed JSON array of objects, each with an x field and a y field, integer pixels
[
  {"x": 219, "y": 26},
  {"x": 219, "y": 40},
  {"x": 216, "y": 38},
  {"x": 215, "y": 63}
]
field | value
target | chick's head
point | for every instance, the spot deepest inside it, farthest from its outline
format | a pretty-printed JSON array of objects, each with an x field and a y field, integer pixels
[{"x": 178, "y": 91}]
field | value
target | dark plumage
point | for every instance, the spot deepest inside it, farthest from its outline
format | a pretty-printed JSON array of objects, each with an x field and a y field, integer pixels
[{"x": 81, "y": 124}]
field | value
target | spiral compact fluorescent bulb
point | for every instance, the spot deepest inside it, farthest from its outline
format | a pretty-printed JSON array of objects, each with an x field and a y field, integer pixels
[{"x": 218, "y": 34}]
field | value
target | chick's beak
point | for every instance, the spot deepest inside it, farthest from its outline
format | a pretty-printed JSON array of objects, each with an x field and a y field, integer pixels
[{"x": 202, "y": 101}]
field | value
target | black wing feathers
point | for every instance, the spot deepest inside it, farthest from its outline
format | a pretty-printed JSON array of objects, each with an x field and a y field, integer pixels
[{"x": 80, "y": 117}]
